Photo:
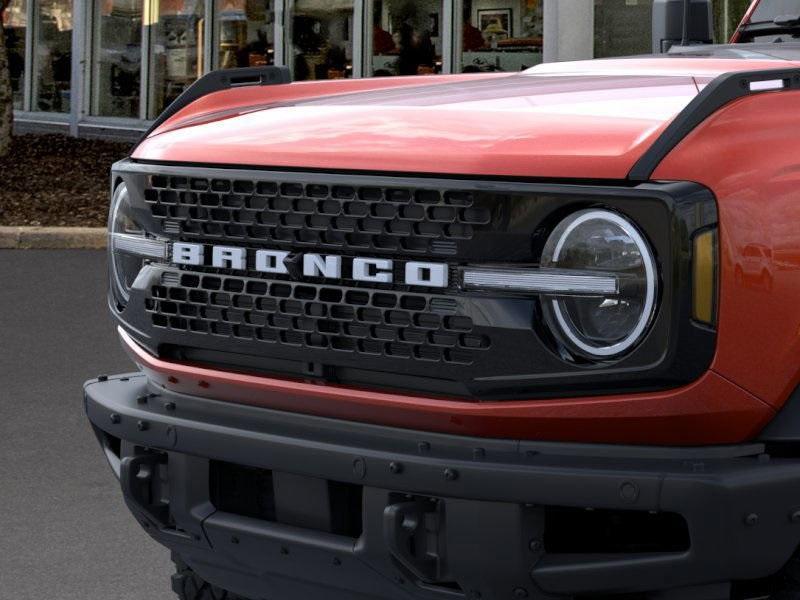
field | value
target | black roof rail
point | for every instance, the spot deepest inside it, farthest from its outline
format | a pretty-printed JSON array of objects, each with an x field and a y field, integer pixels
[
  {"x": 721, "y": 91},
  {"x": 216, "y": 81}
]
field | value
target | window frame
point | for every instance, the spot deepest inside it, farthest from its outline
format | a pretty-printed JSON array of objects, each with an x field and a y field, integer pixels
[
  {"x": 27, "y": 93},
  {"x": 90, "y": 71}
]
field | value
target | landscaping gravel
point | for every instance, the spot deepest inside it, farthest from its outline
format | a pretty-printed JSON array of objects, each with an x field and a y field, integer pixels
[{"x": 56, "y": 180}]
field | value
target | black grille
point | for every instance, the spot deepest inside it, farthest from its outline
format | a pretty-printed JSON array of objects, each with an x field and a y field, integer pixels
[
  {"x": 365, "y": 321},
  {"x": 342, "y": 217},
  {"x": 445, "y": 342}
]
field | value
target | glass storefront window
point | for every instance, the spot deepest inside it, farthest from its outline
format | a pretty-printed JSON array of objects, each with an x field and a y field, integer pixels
[
  {"x": 15, "y": 23},
  {"x": 244, "y": 33},
  {"x": 501, "y": 36},
  {"x": 406, "y": 37},
  {"x": 52, "y": 56},
  {"x": 623, "y": 27},
  {"x": 176, "y": 53},
  {"x": 320, "y": 39},
  {"x": 117, "y": 66}
]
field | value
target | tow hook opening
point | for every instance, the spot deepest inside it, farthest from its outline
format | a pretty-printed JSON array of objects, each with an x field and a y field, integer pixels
[
  {"x": 413, "y": 529},
  {"x": 441, "y": 543},
  {"x": 143, "y": 476}
]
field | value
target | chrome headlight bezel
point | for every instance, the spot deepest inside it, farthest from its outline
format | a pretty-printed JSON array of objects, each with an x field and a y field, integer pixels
[
  {"x": 130, "y": 245},
  {"x": 646, "y": 285}
]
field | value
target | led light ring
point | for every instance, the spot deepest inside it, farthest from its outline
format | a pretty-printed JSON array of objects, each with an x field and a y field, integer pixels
[
  {"x": 116, "y": 202},
  {"x": 132, "y": 244},
  {"x": 650, "y": 292}
]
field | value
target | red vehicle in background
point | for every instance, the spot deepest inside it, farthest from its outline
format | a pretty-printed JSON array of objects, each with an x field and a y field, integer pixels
[{"x": 529, "y": 335}]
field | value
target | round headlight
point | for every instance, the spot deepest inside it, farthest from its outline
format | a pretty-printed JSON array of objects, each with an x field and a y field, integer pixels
[
  {"x": 129, "y": 245},
  {"x": 601, "y": 326}
]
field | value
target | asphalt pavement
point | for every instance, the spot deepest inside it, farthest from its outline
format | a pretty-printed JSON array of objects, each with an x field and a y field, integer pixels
[{"x": 65, "y": 533}]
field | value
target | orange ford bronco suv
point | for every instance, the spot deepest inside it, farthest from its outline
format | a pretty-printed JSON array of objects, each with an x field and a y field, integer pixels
[{"x": 474, "y": 336}]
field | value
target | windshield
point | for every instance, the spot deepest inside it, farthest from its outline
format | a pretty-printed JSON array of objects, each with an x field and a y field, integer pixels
[
  {"x": 773, "y": 21},
  {"x": 768, "y": 10}
]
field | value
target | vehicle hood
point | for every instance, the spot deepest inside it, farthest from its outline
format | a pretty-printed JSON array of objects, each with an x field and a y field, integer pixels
[{"x": 589, "y": 120}]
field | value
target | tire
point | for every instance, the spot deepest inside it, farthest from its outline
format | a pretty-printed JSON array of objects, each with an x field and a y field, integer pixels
[{"x": 188, "y": 585}]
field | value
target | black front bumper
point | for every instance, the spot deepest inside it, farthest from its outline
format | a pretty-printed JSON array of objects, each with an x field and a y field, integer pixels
[{"x": 439, "y": 516}]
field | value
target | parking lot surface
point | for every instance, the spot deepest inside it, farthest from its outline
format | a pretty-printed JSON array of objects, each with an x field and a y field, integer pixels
[{"x": 65, "y": 533}]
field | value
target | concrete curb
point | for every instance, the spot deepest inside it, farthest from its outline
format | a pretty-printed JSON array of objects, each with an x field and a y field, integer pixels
[{"x": 53, "y": 238}]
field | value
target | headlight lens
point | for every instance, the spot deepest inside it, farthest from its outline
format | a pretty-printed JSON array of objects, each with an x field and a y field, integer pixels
[
  {"x": 130, "y": 246},
  {"x": 601, "y": 326}
]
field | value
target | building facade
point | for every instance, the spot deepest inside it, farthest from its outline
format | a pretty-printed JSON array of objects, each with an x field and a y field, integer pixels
[{"x": 107, "y": 67}]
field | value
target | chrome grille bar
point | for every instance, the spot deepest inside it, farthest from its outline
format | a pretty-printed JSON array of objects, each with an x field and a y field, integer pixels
[{"x": 543, "y": 281}]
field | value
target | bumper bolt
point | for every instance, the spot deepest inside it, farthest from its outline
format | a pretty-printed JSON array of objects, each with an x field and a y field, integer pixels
[
  {"x": 629, "y": 492},
  {"x": 115, "y": 418},
  {"x": 142, "y": 399},
  {"x": 535, "y": 546},
  {"x": 142, "y": 425},
  {"x": 751, "y": 520},
  {"x": 424, "y": 447},
  {"x": 234, "y": 540},
  {"x": 360, "y": 468},
  {"x": 170, "y": 406},
  {"x": 520, "y": 593},
  {"x": 450, "y": 474},
  {"x": 284, "y": 551},
  {"x": 395, "y": 467},
  {"x": 337, "y": 562}
]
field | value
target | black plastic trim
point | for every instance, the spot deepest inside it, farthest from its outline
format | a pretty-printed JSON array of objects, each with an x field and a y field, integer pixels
[
  {"x": 738, "y": 503},
  {"x": 785, "y": 427},
  {"x": 720, "y": 92},
  {"x": 217, "y": 81}
]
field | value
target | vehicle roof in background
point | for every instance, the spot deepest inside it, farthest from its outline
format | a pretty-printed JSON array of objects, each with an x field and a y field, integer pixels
[{"x": 756, "y": 51}]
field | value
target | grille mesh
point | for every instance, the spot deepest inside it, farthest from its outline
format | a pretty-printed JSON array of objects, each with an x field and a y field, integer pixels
[
  {"x": 369, "y": 322},
  {"x": 342, "y": 217}
]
